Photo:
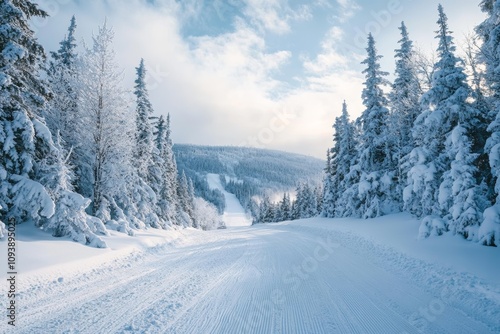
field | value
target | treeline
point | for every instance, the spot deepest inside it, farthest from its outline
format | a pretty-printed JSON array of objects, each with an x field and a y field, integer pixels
[
  {"x": 429, "y": 147},
  {"x": 76, "y": 158},
  {"x": 307, "y": 204},
  {"x": 203, "y": 190},
  {"x": 264, "y": 169},
  {"x": 252, "y": 173}
]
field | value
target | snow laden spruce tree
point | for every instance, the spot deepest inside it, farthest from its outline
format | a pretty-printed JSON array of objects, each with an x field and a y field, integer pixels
[
  {"x": 22, "y": 98},
  {"x": 33, "y": 175},
  {"x": 442, "y": 185},
  {"x": 405, "y": 108},
  {"x": 166, "y": 171},
  {"x": 489, "y": 55},
  {"x": 146, "y": 177},
  {"x": 61, "y": 116},
  {"x": 329, "y": 186},
  {"x": 337, "y": 185},
  {"x": 376, "y": 183},
  {"x": 306, "y": 205},
  {"x": 176, "y": 198},
  {"x": 305, "y": 202},
  {"x": 185, "y": 196},
  {"x": 285, "y": 208},
  {"x": 153, "y": 155},
  {"x": 144, "y": 146}
]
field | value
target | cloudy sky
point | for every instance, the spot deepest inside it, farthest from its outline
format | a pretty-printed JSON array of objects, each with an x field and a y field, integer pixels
[{"x": 262, "y": 73}]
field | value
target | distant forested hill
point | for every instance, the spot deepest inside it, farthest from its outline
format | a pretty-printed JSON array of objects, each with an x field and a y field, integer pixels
[{"x": 253, "y": 171}]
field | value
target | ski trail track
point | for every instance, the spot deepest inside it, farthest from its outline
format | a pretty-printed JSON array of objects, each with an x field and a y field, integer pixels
[
  {"x": 234, "y": 214},
  {"x": 268, "y": 279}
]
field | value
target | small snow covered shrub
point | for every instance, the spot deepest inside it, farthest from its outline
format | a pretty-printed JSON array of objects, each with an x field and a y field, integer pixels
[
  {"x": 489, "y": 231},
  {"x": 72, "y": 220},
  {"x": 206, "y": 215},
  {"x": 432, "y": 226}
]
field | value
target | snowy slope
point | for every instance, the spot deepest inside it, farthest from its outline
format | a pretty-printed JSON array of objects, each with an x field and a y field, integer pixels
[
  {"x": 308, "y": 276},
  {"x": 268, "y": 169},
  {"x": 234, "y": 214}
]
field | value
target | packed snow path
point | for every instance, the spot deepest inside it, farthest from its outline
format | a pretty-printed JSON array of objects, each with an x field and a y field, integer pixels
[
  {"x": 303, "y": 277},
  {"x": 234, "y": 214}
]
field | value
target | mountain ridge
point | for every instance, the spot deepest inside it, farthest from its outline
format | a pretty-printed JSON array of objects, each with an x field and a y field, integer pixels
[
  {"x": 248, "y": 172},
  {"x": 235, "y": 161}
]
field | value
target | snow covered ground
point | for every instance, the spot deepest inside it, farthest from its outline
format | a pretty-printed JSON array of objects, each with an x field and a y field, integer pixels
[
  {"x": 234, "y": 214},
  {"x": 309, "y": 276}
]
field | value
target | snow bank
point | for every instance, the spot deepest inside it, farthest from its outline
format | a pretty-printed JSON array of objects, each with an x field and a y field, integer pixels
[
  {"x": 399, "y": 233},
  {"x": 43, "y": 258}
]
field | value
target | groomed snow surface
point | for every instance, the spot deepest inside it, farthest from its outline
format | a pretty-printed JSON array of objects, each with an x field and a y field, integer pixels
[{"x": 309, "y": 276}]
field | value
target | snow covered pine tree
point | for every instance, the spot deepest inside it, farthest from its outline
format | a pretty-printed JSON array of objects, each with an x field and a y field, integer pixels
[
  {"x": 441, "y": 183},
  {"x": 405, "y": 108},
  {"x": 376, "y": 184},
  {"x": 489, "y": 30},
  {"x": 33, "y": 182},
  {"x": 337, "y": 185}
]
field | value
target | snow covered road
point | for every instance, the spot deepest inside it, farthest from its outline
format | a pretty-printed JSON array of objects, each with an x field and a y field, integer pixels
[{"x": 302, "y": 277}]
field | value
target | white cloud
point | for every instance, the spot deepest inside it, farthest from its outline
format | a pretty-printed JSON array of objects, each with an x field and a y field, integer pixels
[
  {"x": 275, "y": 15},
  {"x": 266, "y": 14},
  {"x": 348, "y": 9},
  {"x": 219, "y": 90},
  {"x": 302, "y": 13},
  {"x": 331, "y": 69},
  {"x": 190, "y": 9},
  {"x": 238, "y": 55},
  {"x": 330, "y": 58}
]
